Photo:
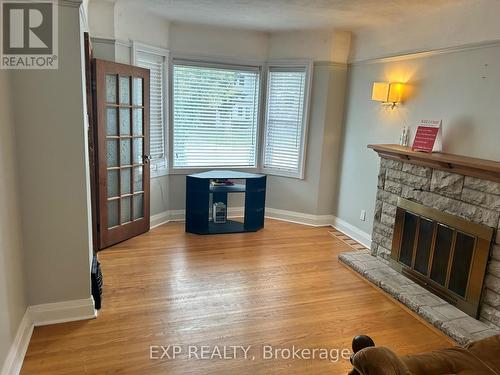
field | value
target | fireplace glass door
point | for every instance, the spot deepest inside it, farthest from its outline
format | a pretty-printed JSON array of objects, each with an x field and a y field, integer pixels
[{"x": 443, "y": 253}]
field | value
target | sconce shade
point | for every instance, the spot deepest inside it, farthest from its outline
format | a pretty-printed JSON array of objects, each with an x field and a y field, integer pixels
[
  {"x": 386, "y": 92},
  {"x": 380, "y": 91},
  {"x": 395, "y": 92}
]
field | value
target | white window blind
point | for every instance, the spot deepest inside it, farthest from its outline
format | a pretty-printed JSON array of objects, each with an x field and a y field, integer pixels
[
  {"x": 285, "y": 120},
  {"x": 156, "y": 65},
  {"x": 215, "y": 115}
]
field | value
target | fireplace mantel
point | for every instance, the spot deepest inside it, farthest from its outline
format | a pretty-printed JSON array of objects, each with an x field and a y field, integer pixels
[{"x": 486, "y": 169}]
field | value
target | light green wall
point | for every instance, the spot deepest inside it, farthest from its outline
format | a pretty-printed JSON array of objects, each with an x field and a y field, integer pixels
[
  {"x": 313, "y": 194},
  {"x": 51, "y": 153},
  {"x": 13, "y": 301},
  {"x": 461, "y": 88}
]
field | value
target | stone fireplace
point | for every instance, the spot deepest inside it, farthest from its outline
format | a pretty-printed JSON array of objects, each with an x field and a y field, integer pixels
[{"x": 467, "y": 191}]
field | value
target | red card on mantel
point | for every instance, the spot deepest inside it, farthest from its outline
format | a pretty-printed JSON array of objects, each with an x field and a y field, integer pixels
[{"x": 428, "y": 136}]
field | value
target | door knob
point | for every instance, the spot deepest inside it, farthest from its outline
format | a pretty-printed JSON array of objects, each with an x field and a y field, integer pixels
[{"x": 146, "y": 158}]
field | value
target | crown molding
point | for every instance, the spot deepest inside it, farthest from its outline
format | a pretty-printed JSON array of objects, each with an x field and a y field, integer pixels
[
  {"x": 426, "y": 53},
  {"x": 225, "y": 59},
  {"x": 123, "y": 43},
  {"x": 330, "y": 64},
  {"x": 179, "y": 55},
  {"x": 102, "y": 40},
  {"x": 107, "y": 40}
]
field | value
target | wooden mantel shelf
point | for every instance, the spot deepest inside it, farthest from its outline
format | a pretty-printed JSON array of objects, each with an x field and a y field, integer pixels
[{"x": 486, "y": 169}]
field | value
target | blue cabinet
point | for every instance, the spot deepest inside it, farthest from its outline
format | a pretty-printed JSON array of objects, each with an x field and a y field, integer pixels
[{"x": 199, "y": 191}]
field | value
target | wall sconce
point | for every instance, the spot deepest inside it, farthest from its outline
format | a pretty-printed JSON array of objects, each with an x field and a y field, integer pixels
[{"x": 387, "y": 93}]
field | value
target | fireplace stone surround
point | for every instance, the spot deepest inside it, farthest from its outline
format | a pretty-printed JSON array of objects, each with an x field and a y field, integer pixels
[{"x": 434, "y": 184}]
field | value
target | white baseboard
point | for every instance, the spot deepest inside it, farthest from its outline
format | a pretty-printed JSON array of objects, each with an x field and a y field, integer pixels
[
  {"x": 299, "y": 217},
  {"x": 61, "y": 312},
  {"x": 180, "y": 215},
  {"x": 176, "y": 215},
  {"x": 14, "y": 360},
  {"x": 235, "y": 212},
  {"x": 39, "y": 315},
  {"x": 277, "y": 214},
  {"x": 272, "y": 213},
  {"x": 166, "y": 217},
  {"x": 321, "y": 221},
  {"x": 159, "y": 219},
  {"x": 354, "y": 232}
]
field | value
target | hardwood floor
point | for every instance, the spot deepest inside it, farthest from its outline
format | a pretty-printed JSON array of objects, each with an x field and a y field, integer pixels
[{"x": 281, "y": 286}]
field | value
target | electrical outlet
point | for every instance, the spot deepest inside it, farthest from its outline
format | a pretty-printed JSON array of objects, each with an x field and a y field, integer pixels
[{"x": 362, "y": 216}]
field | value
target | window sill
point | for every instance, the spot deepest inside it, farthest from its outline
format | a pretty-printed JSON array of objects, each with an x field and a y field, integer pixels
[
  {"x": 158, "y": 175},
  {"x": 279, "y": 173},
  {"x": 158, "y": 172},
  {"x": 186, "y": 171}
]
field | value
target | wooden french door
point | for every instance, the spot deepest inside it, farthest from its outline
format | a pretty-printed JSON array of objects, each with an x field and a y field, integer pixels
[{"x": 122, "y": 121}]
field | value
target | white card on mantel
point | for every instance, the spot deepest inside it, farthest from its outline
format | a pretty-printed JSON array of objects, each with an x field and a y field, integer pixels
[{"x": 429, "y": 136}]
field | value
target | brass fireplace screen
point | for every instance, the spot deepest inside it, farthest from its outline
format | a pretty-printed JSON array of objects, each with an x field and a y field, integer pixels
[{"x": 445, "y": 254}]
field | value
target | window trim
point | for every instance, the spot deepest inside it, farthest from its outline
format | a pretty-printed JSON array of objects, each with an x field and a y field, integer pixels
[
  {"x": 308, "y": 67},
  {"x": 214, "y": 62},
  {"x": 161, "y": 166}
]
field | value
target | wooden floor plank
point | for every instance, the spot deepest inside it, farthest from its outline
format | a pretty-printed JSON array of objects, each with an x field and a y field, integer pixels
[{"x": 281, "y": 286}]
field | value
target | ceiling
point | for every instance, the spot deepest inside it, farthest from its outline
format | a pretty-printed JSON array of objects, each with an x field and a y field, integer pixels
[{"x": 278, "y": 15}]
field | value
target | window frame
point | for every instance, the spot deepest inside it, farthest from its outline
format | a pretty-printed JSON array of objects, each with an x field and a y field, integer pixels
[
  {"x": 158, "y": 167},
  {"x": 308, "y": 68},
  {"x": 216, "y": 62}
]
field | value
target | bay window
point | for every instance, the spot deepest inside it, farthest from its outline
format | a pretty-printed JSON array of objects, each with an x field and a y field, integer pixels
[{"x": 215, "y": 115}]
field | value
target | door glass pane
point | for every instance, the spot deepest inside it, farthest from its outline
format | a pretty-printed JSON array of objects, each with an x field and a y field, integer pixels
[
  {"x": 138, "y": 178},
  {"x": 137, "y": 93},
  {"x": 138, "y": 206},
  {"x": 124, "y": 90},
  {"x": 111, "y": 124},
  {"x": 125, "y": 151},
  {"x": 111, "y": 88},
  {"x": 126, "y": 180},
  {"x": 137, "y": 118},
  {"x": 124, "y": 121},
  {"x": 112, "y": 183},
  {"x": 112, "y": 153},
  {"x": 113, "y": 213},
  {"x": 138, "y": 150},
  {"x": 125, "y": 210}
]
